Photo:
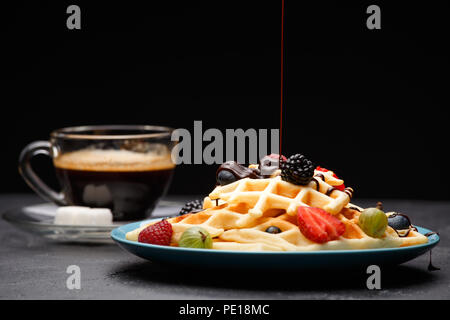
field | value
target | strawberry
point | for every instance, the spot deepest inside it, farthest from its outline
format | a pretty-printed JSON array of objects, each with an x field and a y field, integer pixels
[
  {"x": 318, "y": 225},
  {"x": 159, "y": 233},
  {"x": 319, "y": 168},
  {"x": 340, "y": 187}
]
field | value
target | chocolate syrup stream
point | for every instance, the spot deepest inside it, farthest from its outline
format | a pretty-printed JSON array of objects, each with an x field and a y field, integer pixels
[
  {"x": 281, "y": 77},
  {"x": 431, "y": 267}
]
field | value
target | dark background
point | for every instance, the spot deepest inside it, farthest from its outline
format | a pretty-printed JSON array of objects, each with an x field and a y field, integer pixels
[{"x": 370, "y": 104}]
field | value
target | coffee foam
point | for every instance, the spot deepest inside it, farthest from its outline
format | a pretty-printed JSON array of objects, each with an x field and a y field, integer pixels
[{"x": 113, "y": 160}]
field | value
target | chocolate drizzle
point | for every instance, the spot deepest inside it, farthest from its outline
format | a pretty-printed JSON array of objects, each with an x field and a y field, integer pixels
[
  {"x": 431, "y": 267},
  {"x": 399, "y": 232},
  {"x": 320, "y": 175},
  {"x": 317, "y": 183},
  {"x": 349, "y": 192},
  {"x": 239, "y": 171},
  {"x": 403, "y": 235},
  {"x": 330, "y": 190},
  {"x": 403, "y": 215}
]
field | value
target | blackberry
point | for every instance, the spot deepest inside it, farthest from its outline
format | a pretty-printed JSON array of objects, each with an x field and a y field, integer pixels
[
  {"x": 297, "y": 169},
  {"x": 195, "y": 205}
]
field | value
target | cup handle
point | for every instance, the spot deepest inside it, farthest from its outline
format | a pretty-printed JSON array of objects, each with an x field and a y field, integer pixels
[{"x": 31, "y": 178}]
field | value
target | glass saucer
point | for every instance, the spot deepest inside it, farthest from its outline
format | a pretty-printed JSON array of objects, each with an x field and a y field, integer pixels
[{"x": 38, "y": 219}]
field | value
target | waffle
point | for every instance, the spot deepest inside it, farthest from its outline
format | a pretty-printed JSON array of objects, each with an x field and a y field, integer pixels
[
  {"x": 274, "y": 193},
  {"x": 236, "y": 216},
  {"x": 291, "y": 239}
]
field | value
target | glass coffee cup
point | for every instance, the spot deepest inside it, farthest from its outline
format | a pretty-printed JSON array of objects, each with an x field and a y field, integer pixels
[{"x": 126, "y": 168}]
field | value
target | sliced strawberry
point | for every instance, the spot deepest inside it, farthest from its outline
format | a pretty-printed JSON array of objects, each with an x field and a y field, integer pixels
[{"x": 318, "y": 225}]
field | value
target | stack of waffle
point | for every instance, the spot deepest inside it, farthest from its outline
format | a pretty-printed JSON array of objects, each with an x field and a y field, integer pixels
[{"x": 238, "y": 214}]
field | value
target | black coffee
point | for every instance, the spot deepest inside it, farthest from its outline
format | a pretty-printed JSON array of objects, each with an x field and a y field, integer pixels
[{"x": 128, "y": 183}]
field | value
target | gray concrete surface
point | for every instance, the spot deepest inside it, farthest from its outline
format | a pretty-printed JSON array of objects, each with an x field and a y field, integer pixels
[{"x": 35, "y": 268}]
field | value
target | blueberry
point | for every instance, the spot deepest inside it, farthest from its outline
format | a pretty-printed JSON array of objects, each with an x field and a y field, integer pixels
[
  {"x": 398, "y": 221},
  {"x": 273, "y": 230},
  {"x": 225, "y": 177}
]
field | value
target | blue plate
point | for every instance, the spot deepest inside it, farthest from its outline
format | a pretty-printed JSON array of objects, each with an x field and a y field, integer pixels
[{"x": 336, "y": 259}]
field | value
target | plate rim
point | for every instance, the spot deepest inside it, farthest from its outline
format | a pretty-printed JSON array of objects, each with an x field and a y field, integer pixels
[{"x": 432, "y": 241}]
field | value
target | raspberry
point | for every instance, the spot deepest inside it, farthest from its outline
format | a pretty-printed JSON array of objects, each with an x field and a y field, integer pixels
[
  {"x": 159, "y": 233},
  {"x": 340, "y": 187},
  {"x": 318, "y": 225}
]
